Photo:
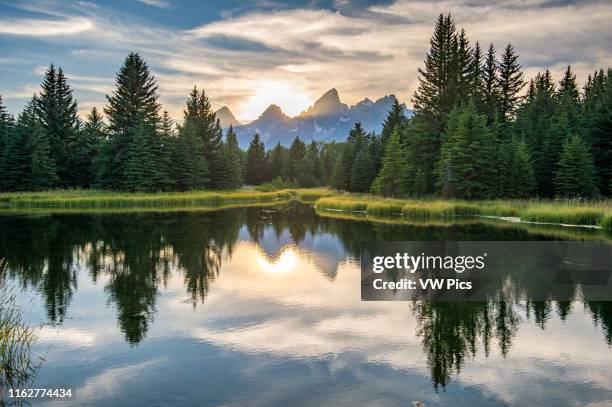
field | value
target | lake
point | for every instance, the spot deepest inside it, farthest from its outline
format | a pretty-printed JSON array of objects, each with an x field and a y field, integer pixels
[{"x": 261, "y": 306}]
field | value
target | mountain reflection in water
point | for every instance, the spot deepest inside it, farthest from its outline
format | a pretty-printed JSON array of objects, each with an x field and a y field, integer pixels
[{"x": 284, "y": 283}]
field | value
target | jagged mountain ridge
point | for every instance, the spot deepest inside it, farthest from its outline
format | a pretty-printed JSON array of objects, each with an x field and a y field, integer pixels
[
  {"x": 328, "y": 119},
  {"x": 226, "y": 117}
]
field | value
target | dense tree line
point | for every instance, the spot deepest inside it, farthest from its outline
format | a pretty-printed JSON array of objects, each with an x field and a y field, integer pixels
[
  {"x": 479, "y": 130},
  {"x": 139, "y": 148},
  {"x": 478, "y": 133}
]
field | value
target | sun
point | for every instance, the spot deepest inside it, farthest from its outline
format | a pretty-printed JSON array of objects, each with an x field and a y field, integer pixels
[{"x": 289, "y": 97}]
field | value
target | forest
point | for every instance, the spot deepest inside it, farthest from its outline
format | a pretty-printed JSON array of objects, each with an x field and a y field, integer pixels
[{"x": 480, "y": 130}]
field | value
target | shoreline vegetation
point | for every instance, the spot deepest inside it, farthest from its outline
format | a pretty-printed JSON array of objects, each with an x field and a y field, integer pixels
[{"x": 559, "y": 212}]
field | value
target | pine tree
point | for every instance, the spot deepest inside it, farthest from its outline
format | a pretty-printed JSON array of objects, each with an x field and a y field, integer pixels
[
  {"x": 518, "y": 171},
  {"x": 139, "y": 174},
  {"x": 133, "y": 104},
  {"x": 57, "y": 112},
  {"x": 200, "y": 114},
  {"x": 597, "y": 125},
  {"x": 340, "y": 179},
  {"x": 463, "y": 74},
  {"x": 189, "y": 167},
  {"x": 256, "y": 168},
  {"x": 534, "y": 123},
  {"x": 466, "y": 166},
  {"x": 163, "y": 148},
  {"x": 6, "y": 124},
  {"x": 87, "y": 152},
  {"x": 490, "y": 82},
  {"x": 312, "y": 167},
  {"x": 27, "y": 163},
  {"x": 510, "y": 84},
  {"x": 389, "y": 181},
  {"x": 6, "y": 130},
  {"x": 295, "y": 164},
  {"x": 277, "y": 161},
  {"x": 576, "y": 172},
  {"x": 477, "y": 79},
  {"x": 435, "y": 97},
  {"x": 568, "y": 102},
  {"x": 233, "y": 163},
  {"x": 396, "y": 119},
  {"x": 361, "y": 172}
]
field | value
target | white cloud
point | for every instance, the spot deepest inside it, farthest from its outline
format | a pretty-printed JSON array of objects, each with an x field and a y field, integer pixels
[
  {"x": 363, "y": 54},
  {"x": 156, "y": 3},
  {"x": 44, "y": 28}
]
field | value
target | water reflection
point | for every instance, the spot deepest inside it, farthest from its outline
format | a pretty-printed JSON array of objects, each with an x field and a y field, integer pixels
[{"x": 286, "y": 278}]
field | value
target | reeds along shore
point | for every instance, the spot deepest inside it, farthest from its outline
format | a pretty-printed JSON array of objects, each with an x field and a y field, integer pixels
[
  {"x": 571, "y": 212},
  {"x": 112, "y": 200}
]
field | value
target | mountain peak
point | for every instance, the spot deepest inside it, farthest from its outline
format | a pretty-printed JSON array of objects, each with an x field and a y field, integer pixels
[
  {"x": 326, "y": 105},
  {"x": 273, "y": 112},
  {"x": 226, "y": 117}
]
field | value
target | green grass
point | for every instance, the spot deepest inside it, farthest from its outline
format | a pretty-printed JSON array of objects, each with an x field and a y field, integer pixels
[
  {"x": 91, "y": 199},
  {"x": 16, "y": 340},
  {"x": 606, "y": 222},
  {"x": 570, "y": 212},
  {"x": 573, "y": 212}
]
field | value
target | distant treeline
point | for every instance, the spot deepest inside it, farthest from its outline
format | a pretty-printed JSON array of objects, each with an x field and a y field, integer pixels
[{"x": 475, "y": 134}]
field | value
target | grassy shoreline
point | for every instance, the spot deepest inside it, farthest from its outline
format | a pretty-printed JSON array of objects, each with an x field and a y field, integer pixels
[
  {"x": 568, "y": 212},
  {"x": 93, "y": 199},
  {"x": 596, "y": 213}
]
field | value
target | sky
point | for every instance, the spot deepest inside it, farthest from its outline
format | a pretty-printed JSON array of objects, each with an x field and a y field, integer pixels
[{"x": 249, "y": 54}]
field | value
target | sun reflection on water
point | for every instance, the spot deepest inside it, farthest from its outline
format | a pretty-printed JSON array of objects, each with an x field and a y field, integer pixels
[{"x": 285, "y": 262}]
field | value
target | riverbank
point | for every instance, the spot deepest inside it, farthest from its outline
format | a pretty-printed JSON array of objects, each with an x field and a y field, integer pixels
[
  {"x": 562, "y": 212},
  {"x": 94, "y": 199}
]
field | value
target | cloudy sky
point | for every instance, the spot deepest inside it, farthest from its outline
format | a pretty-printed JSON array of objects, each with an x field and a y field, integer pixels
[{"x": 248, "y": 54}]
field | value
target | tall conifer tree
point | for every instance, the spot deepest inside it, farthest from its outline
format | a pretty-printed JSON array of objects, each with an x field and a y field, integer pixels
[{"x": 133, "y": 107}]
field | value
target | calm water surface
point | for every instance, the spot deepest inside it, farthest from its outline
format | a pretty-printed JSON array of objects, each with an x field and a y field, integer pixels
[{"x": 261, "y": 306}]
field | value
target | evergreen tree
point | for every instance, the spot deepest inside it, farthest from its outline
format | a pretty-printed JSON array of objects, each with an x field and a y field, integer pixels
[
  {"x": 389, "y": 181},
  {"x": 87, "y": 152},
  {"x": 139, "y": 174},
  {"x": 361, "y": 172},
  {"x": 490, "y": 89},
  {"x": 27, "y": 164},
  {"x": 476, "y": 71},
  {"x": 434, "y": 99},
  {"x": 57, "y": 111},
  {"x": 598, "y": 125},
  {"x": 163, "y": 148},
  {"x": 517, "y": 173},
  {"x": 294, "y": 164},
  {"x": 396, "y": 119},
  {"x": 277, "y": 161},
  {"x": 576, "y": 172},
  {"x": 466, "y": 166},
  {"x": 510, "y": 84},
  {"x": 189, "y": 167},
  {"x": 200, "y": 114},
  {"x": 312, "y": 167},
  {"x": 132, "y": 109},
  {"x": 6, "y": 124},
  {"x": 233, "y": 162},
  {"x": 534, "y": 123},
  {"x": 256, "y": 167},
  {"x": 463, "y": 74},
  {"x": 340, "y": 179},
  {"x": 6, "y": 129}
]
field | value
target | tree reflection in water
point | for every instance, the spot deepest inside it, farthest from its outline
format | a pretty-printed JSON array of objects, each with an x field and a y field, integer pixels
[{"x": 136, "y": 254}]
